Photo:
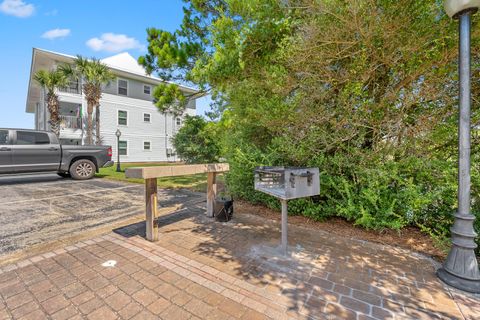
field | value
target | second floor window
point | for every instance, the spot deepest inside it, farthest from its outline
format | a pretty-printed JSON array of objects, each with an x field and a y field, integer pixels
[
  {"x": 146, "y": 117},
  {"x": 122, "y": 87},
  {"x": 147, "y": 89},
  {"x": 122, "y": 117}
]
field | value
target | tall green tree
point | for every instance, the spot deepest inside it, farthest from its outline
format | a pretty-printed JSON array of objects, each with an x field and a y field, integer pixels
[
  {"x": 94, "y": 75},
  {"x": 366, "y": 90},
  {"x": 195, "y": 141},
  {"x": 51, "y": 80}
]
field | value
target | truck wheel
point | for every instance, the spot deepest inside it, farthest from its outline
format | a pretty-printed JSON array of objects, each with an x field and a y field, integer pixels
[
  {"x": 64, "y": 174},
  {"x": 82, "y": 169}
]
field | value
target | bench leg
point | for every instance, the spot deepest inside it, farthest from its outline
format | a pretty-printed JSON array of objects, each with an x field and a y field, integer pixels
[
  {"x": 284, "y": 227},
  {"x": 211, "y": 192},
  {"x": 151, "y": 209}
]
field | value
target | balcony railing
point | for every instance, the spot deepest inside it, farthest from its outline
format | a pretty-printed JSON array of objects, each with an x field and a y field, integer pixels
[
  {"x": 70, "y": 122},
  {"x": 73, "y": 87},
  {"x": 70, "y": 90}
]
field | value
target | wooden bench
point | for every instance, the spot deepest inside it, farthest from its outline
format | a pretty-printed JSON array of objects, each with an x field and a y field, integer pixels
[{"x": 150, "y": 174}]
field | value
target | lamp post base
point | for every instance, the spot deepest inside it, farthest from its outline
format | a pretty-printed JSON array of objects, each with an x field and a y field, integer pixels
[{"x": 472, "y": 286}]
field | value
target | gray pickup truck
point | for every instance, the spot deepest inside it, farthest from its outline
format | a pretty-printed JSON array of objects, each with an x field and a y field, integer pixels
[{"x": 23, "y": 150}]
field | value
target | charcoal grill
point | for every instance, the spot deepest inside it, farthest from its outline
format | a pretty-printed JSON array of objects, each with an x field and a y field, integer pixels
[{"x": 286, "y": 183}]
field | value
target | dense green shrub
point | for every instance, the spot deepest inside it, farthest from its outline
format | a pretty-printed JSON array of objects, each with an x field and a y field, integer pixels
[
  {"x": 196, "y": 142},
  {"x": 384, "y": 195},
  {"x": 364, "y": 90}
]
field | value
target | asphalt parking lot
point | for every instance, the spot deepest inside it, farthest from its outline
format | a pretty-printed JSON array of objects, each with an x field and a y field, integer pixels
[{"x": 35, "y": 209}]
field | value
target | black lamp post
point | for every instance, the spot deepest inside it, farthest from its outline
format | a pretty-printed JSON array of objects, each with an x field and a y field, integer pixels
[
  {"x": 460, "y": 270},
  {"x": 118, "y": 133}
]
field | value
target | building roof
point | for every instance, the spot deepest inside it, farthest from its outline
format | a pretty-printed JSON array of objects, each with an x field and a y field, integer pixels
[
  {"x": 122, "y": 64},
  {"x": 124, "y": 61}
]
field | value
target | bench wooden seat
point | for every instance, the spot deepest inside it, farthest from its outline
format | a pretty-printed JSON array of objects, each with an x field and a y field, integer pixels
[{"x": 150, "y": 174}]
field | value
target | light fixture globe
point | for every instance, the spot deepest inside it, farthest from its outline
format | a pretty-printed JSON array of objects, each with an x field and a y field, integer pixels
[
  {"x": 118, "y": 133},
  {"x": 454, "y": 7}
]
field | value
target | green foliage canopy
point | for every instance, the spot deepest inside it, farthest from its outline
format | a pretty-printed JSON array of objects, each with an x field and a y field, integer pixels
[
  {"x": 195, "y": 141},
  {"x": 366, "y": 90}
]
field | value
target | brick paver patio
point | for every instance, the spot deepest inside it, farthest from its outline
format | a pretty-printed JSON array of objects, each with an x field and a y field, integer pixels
[{"x": 208, "y": 270}]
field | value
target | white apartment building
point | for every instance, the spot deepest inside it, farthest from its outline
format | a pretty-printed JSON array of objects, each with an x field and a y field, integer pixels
[{"x": 126, "y": 105}]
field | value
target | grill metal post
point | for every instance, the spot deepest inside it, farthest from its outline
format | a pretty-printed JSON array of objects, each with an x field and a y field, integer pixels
[
  {"x": 287, "y": 183},
  {"x": 284, "y": 227},
  {"x": 460, "y": 270}
]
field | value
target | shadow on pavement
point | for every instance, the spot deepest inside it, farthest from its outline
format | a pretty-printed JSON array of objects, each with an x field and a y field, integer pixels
[
  {"x": 325, "y": 275},
  {"x": 7, "y": 179}
]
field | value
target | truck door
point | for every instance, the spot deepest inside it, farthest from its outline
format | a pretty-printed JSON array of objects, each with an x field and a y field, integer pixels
[
  {"x": 35, "y": 151},
  {"x": 5, "y": 152}
]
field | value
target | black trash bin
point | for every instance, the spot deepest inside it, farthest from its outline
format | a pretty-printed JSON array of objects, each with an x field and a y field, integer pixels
[{"x": 223, "y": 209}]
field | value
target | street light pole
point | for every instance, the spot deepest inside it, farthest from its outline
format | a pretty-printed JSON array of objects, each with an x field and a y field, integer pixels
[
  {"x": 460, "y": 269},
  {"x": 118, "y": 134}
]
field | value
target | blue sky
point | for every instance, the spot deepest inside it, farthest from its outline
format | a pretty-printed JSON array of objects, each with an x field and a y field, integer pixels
[{"x": 92, "y": 28}]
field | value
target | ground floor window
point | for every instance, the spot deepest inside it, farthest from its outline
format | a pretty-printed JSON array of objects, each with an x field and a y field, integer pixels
[
  {"x": 122, "y": 148},
  {"x": 146, "y": 145}
]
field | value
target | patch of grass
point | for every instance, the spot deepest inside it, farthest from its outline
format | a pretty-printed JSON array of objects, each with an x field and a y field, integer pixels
[{"x": 197, "y": 182}]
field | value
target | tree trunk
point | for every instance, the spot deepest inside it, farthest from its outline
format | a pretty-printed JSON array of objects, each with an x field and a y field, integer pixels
[
  {"x": 89, "y": 122},
  {"x": 97, "y": 125},
  {"x": 53, "y": 105}
]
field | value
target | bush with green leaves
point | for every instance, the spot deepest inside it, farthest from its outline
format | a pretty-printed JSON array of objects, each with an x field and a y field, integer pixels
[
  {"x": 195, "y": 141},
  {"x": 365, "y": 90}
]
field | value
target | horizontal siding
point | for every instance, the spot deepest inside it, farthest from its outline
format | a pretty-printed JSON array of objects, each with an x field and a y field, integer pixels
[
  {"x": 134, "y": 90},
  {"x": 158, "y": 131}
]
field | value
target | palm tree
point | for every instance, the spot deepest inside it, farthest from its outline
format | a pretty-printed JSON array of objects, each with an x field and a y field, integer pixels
[
  {"x": 94, "y": 75},
  {"x": 51, "y": 80}
]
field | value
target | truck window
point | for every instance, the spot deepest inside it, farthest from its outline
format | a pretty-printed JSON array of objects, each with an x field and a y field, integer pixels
[
  {"x": 28, "y": 137},
  {"x": 4, "y": 137}
]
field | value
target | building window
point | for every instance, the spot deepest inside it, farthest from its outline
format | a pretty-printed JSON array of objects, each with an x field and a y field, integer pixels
[
  {"x": 146, "y": 146},
  {"x": 147, "y": 89},
  {"x": 122, "y": 117},
  {"x": 122, "y": 87},
  {"x": 122, "y": 148},
  {"x": 179, "y": 121},
  {"x": 146, "y": 117}
]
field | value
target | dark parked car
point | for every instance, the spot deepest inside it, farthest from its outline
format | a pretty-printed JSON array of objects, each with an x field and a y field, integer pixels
[{"x": 23, "y": 150}]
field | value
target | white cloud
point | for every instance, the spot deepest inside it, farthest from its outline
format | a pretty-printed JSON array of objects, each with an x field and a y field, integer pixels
[
  {"x": 56, "y": 33},
  {"x": 112, "y": 42},
  {"x": 17, "y": 8}
]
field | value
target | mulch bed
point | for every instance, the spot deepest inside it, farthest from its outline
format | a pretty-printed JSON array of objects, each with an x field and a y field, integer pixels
[{"x": 409, "y": 238}]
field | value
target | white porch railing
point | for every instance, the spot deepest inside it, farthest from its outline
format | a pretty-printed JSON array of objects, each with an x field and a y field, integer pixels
[
  {"x": 73, "y": 87},
  {"x": 70, "y": 122}
]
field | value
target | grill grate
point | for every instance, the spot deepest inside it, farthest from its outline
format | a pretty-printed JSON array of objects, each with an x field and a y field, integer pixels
[{"x": 288, "y": 182}]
